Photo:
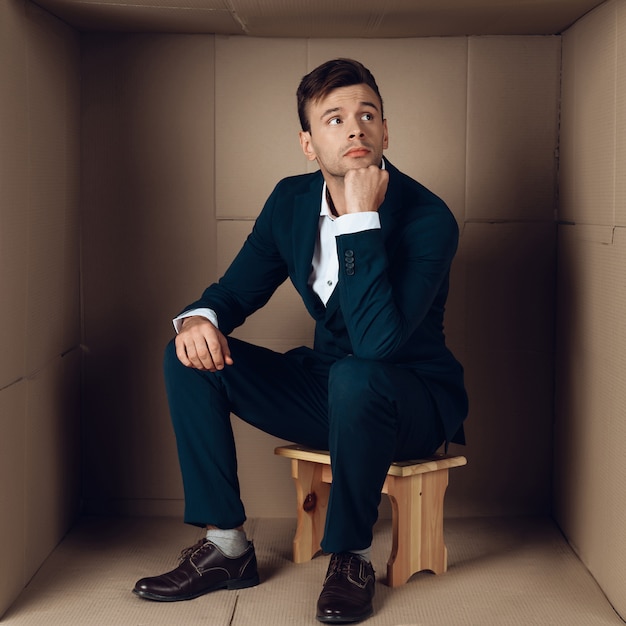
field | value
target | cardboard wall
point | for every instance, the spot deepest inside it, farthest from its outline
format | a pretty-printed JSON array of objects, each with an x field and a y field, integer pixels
[
  {"x": 177, "y": 164},
  {"x": 39, "y": 289},
  {"x": 149, "y": 237},
  {"x": 590, "y": 486}
]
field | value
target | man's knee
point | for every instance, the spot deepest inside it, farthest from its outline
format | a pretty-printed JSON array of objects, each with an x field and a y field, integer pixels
[
  {"x": 360, "y": 410},
  {"x": 170, "y": 359},
  {"x": 351, "y": 379}
]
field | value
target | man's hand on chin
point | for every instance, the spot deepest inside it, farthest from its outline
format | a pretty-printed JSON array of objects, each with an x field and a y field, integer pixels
[{"x": 365, "y": 188}]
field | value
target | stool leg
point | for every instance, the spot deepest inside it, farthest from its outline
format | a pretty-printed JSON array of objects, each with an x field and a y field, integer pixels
[
  {"x": 417, "y": 525},
  {"x": 312, "y": 502}
]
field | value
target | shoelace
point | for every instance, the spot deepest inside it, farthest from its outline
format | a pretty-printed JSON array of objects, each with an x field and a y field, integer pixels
[
  {"x": 341, "y": 564},
  {"x": 187, "y": 552}
]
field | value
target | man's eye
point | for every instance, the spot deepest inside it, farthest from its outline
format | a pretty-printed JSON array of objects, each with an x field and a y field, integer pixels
[
  {"x": 334, "y": 121},
  {"x": 367, "y": 117}
]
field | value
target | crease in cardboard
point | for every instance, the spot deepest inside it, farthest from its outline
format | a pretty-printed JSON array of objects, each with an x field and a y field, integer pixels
[
  {"x": 233, "y": 11},
  {"x": 593, "y": 233}
]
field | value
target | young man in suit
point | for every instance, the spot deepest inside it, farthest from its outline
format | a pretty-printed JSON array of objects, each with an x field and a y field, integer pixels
[{"x": 369, "y": 250}]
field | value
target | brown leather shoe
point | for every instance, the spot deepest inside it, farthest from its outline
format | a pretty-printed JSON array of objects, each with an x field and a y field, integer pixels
[
  {"x": 203, "y": 568},
  {"x": 348, "y": 590}
]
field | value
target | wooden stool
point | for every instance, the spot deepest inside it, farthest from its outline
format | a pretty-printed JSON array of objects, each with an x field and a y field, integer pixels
[{"x": 416, "y": 490}]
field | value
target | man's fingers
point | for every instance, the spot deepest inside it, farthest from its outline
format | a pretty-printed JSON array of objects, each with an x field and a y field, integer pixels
[
  {"x": 225, "y": 350},
  {"x": 214, "y": 358},
  {"x": 203, "y": 347},
  {"x": 204, "y": 357},
  {"x": 189, "y": 356},
  {"x": 365, "y": 188},
  {"x": 181, "y": 351}
]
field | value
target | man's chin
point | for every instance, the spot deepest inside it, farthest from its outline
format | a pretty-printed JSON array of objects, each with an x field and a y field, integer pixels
[
  {"x": 356, "y": 163},
  {"x": 340, "y": 170}
]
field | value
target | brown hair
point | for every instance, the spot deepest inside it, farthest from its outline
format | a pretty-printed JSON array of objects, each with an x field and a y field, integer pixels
[{"x": 327, "y": 77}]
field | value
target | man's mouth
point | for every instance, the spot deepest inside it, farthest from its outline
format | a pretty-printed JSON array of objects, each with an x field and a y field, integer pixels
[{"x": 357, "y": 152}]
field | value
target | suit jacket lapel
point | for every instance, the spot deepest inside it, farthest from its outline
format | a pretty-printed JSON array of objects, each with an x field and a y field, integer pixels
[{"x": 305, "y": 229}]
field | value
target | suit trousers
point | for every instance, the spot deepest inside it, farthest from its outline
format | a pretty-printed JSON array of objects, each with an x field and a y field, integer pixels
[{"x": 366, "y": 413}]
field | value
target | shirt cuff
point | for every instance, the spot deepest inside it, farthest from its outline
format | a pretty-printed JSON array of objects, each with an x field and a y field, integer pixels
[
  {"x": 207, "y": 313},
  {"x": 356, "y": 222}
]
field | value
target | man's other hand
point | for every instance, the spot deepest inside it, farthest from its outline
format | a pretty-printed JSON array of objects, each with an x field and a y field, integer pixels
[{"x": 200, "y": 345}]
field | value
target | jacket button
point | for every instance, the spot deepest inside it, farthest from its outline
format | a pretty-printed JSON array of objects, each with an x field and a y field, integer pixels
[{"x": 348, "y": 253}]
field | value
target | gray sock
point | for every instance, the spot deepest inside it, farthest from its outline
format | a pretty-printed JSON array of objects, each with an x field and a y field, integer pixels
[
  {"x": 232, "y": 542},
  {"x": 365, "y": 554}
]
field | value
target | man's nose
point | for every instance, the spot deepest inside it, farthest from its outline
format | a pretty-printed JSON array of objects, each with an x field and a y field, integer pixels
[{"x": 356, "y": 132}]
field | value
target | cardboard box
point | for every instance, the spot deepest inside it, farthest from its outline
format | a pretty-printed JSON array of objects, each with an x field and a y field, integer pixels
[{"x": 132, "y": 166}]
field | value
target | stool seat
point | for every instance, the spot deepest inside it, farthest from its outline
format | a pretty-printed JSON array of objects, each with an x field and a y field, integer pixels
[{"x": 416, "y": 490}]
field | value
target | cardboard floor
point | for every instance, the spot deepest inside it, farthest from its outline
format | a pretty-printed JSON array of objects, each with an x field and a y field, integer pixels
[{"x": 501, "y": 572}]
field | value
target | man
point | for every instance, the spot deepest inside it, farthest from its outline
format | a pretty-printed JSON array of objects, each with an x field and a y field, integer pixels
[{"x": 369, "y": 250}]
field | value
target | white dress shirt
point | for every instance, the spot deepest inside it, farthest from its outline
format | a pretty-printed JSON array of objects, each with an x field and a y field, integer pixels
[{"x": 325, "y": 272}]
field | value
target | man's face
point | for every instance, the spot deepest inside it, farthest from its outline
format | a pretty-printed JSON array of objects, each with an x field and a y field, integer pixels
[{"x": 347, "y": 130}]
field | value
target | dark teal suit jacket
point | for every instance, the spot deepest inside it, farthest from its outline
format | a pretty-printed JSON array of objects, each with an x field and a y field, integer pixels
[{"x": 393, "y": 282}]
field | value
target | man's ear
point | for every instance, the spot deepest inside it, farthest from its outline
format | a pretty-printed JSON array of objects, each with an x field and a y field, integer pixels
[
  {"x": 307, "y": 145},
  {"x": 385, "y": 135}
]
